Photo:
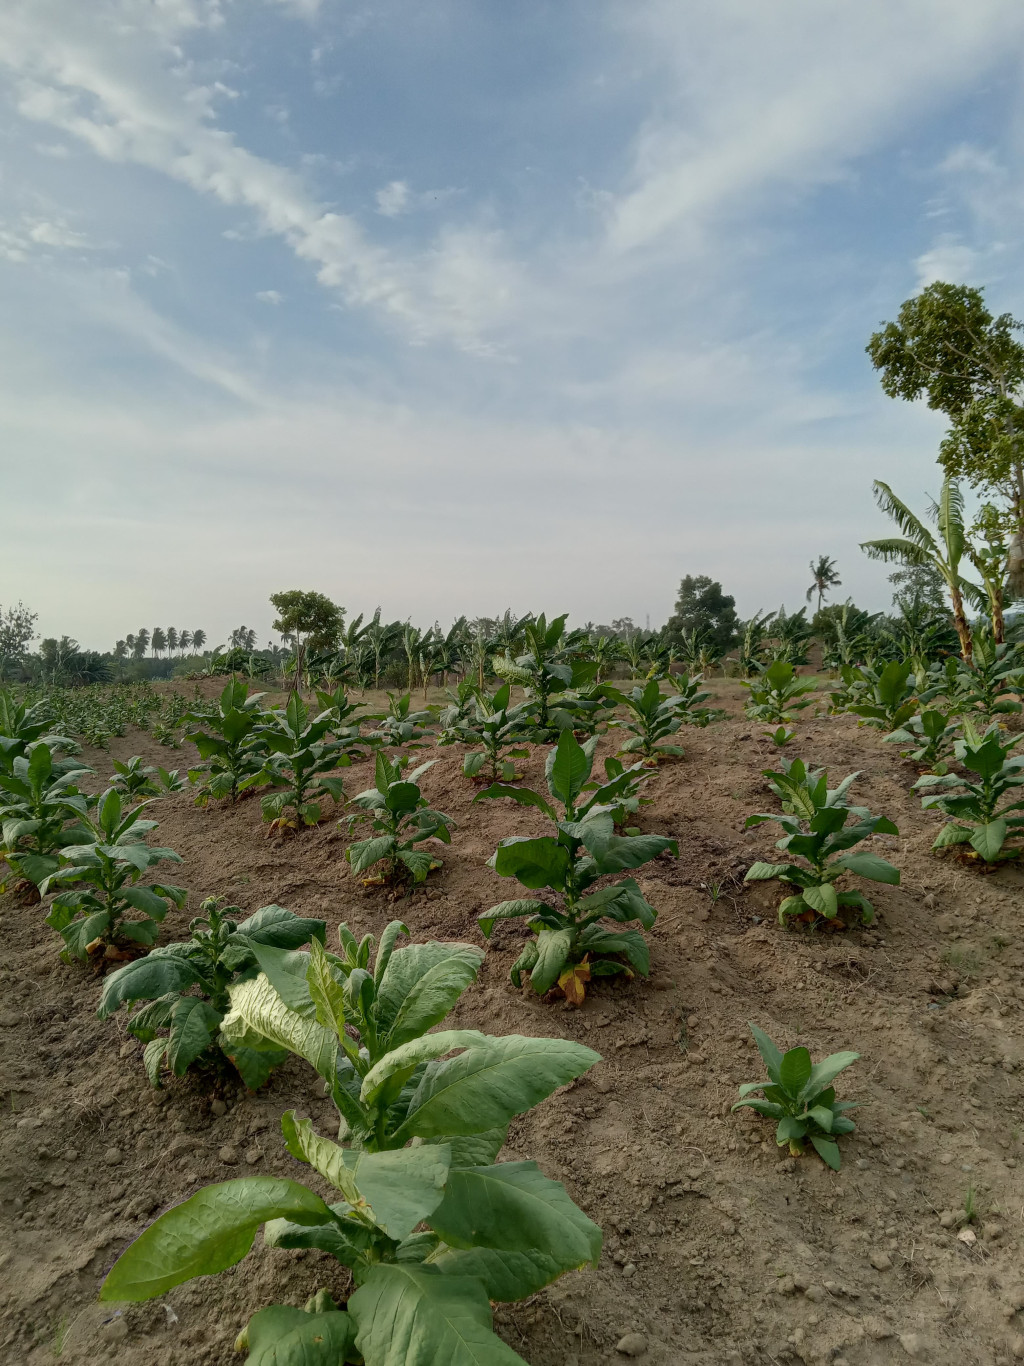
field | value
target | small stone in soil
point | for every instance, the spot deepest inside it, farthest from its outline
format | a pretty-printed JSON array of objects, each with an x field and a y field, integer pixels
[
  {"x": 632, "y": 1345},
  {"x": 228, "y": 1155},
  {"x": 881, "y": 1261},
  {"x": 112, "y": 1157},
  {"x": 218, "y": 1108}
]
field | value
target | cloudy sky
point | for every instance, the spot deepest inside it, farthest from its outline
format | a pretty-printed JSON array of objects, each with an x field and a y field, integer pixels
[{"x": 456, "y": 305}]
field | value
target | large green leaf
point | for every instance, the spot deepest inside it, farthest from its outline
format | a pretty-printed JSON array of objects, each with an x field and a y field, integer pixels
[
  {"x": 554, "y": 949},
  {"x": 409, "y": 1055},
  {"x": 515, "y": 1207},
  {"x": 403, "y": 1187},
  {"x": 540, "y": 862},
  {"x": 567, "y": 768},
  {"x": 506, "y": 1276},
  {"x": 208, "y": 1233},
  {"x": 193, "y": 1022},
  {"x": 255, "y": 1065},
  {"x": 146, "y": 900},
  {"x": 822, "y": 898},
  {"x": 795, "y": 1070},
  {"x": 323, "y": 1155},
  {"x": 257, "y": 1010},
  {"x": 145, "y": 980},
  {"x": 286, "y": 970},
  {"x": 870, "y": 866},
  {"x": 406, "y": 967},
  {"x": 523, "y": 796},
  {"x": 484, "y": 1088},
  {"x": 510, "y": 910},
  {"x": 433, "y": 995},
  {"x": 409, "y": 1314},
  {"x": 280, "y": 928},
  {"x": 285, "y": 1336},
  {"x": 989, "y": 839}
]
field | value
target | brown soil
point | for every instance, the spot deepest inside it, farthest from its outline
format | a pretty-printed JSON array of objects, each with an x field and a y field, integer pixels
[{"x": 718, "y": 1248}]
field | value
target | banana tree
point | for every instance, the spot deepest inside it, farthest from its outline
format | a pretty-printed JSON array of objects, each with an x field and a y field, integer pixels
[
  {"x": 570, "y": 944},
  {"x": 917, "y": 546},
  {"x": 433, "y": 1233}
]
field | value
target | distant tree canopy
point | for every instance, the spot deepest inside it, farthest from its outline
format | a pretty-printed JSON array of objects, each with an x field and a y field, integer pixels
[
  {"x": 916, "y": 586},
  {"x": 703, "y": 606}
]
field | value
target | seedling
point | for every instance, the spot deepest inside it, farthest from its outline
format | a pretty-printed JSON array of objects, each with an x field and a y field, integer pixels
[
  {"x": 819, "y": 830},
  {"x": 571, "y": 945},
  {"x": 402, "y": 818},
  {"x": 931, "y": 736},
  {"x": 220, "y": 952},
  {"x": 433, "y": 1233},
  {"x": 776, "y": 692},
  {"x": 779, "y": 736},
  {"x": 800, "y": 1095}
]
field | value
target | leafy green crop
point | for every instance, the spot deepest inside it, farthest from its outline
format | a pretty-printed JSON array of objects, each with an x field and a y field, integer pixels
[
  {"x": 979, "y": 814},
  {"x": 653, "y": 718},
  {"x": 931, "y": 737},
  {"x": 135, "y": 780},
  {"x": 433, "y": 1233},
  {"x": 101, "y": 879},
  {"x": 800, "y": 1095},
  {"x": 230, "y": 742},
  {"x": 779, "y": 736},
  {"x": 22, "y": 726},
  {"x": 547, "y": 670},
  {"x": 776, "y": 692},
  {"x": 302, "y": 762},
  {"x": 402, "y": 818},
  {"x": 400, "y": 726},
  {"x": 41, "y": 811},
  {"x": 815, "y": 821},
  {"x": 186, "y": 986},
  {"x": 626, "y": 805},
  {"x": 499, "y": 729},
  {"x": 887, "y": 700},
  {"x": 691, "y": 694},
  {"x": 571, "y": 945}
]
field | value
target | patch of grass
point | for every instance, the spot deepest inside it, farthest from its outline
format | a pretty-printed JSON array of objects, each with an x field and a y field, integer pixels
[{"x": 966, "y": 959}]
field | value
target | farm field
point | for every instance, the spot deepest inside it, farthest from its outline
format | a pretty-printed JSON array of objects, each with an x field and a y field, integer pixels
[{"x": 719, "y": 1248}]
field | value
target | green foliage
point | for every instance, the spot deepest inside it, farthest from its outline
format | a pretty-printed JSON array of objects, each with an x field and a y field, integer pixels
[
  {"x": 625, "y": 807},
  {"x": 301, "y": 762},
  {"x": 931, "y": 737},
  {"x": 186, "y": 988},
  {"x": 800, "y": 1095},
  {"x": 402, "y": 818},
  {"x": 703, "y": 606},
  {"x": 136, "y": 781},
  {"x": 498, "y": 728},
  {"x": 571, "y": 944},
  {"x": 652, "y": 720},
  {"x": 820, "y": 832},
  {"x": 776, "y": 693},
  {"x": 98, "y": 883},
  {"x": 231, "y": 743},
  {"x": 980, "y": 814},
  {"x": 41, "y": 810},
  {"x": 22, "y": 726},
  {"x": 432, "y": 1233},
  {"x": 991, "y": 680},
  {"x": 549, "y": 667},
  {"x": 888, "y": 698},
  {"x": 780, "y": 736},
  {"x": 401, "y": 726},
  {"x": 310, "y": 620},
  {"x": 690, "y": 692}
]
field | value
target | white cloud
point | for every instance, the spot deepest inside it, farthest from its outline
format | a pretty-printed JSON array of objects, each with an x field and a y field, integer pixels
[
  {"x": 393, "y": 199},
  {"x": 269, "y": 296},
  {"x": 947, "y": 260}
]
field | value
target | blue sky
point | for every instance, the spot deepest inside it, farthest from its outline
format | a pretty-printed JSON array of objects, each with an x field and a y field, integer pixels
[{"x": 453, "y": 306}]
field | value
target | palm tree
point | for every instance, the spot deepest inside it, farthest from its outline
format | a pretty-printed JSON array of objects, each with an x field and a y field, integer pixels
[
  {"x": 823, "y": 578},
  {"x": 198, "y": 641},
  {"x": 158, "y": 641},
  {"x": 141, "y": 643},
  {"x": 172, "y": 639},
  {"x": 918, "y": 546},
  {"x": 184, "y": 639}
]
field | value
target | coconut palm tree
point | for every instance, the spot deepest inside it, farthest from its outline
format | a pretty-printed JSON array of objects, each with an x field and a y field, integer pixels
[
  {"x": 141, "y": 643},
  {"x": 172, "y": 639},
  {"x": 158, "y": 641},
  {"x": 823, "y": 578},
  {"x": 917, "y": 545},
  {"x": 184, "y": 640},
  {"x": 198, "y": 641}
]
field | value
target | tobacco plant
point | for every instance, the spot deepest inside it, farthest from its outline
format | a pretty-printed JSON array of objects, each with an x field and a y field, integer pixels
[
  {"x": 302, "y": 762},
  {"x": 548, "y": 668},
  {"x": 931, "y": 736},
  {"x": 402, "y": 727},
  {"x": 41, "y": 811},
  {"x": 888, "y": 699},
  {"x": 690, "y": 693},
  {"x": 185, "y": 987},
  {"x": 230, "y": 742},
  {"x": 800, "y": 1095},
  {"x": 432, "y": 1233},
  {"x": 571, "y": 945},
  {"x": 980, "y": 813},
  {"x": 98, "y": 888},
  {"x": 776, "y": 692},
  {"x": 652, "y": 720},
  {"x": 626, "y": 805},
  {"x": 821, "y": 828},
  {"x": 135, "y": 781},
  {"x": 499, "y": 729},
  {"x": 402, "y": 818},
  {"x": 23, "y": 726}
]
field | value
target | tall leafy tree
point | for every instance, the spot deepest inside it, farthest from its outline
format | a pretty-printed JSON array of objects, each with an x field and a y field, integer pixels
[
  {"x": 198, "y": 641},
  {"x": 184, "y": 640},
  {"x": 703, "y": 607},
  {"x": 17, "y": 628},
  {"x": 947, "y": 346},
  {"x": 141, "y": 643},
  {"x": 158, "y": 641},
  {"x": 172, "y": 639},
  {"x": 943, "y": 552},
  {"x": 823, "y": 578},
  {"x": 311, "y": 620}
]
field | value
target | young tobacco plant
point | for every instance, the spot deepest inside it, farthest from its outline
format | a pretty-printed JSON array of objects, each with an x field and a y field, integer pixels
[
  {"x": 41, "y": 811},
  {"x": 186, "y": 988},
  {"x": 135, "y": 781},
  {"x": 433, "y": 1233},
  {"x": 230, "y": 742},
  {"x": 888, "y": 700},
  {"x": 23, "y": 726},
  {"x": 652, "y": 720},
  {"x": 689, "y": 689},
  {"x": 499, "y": 730},
  {"x": 776, "y": 692},
  {"x": 626, "y": 805},
  {"x": 97, "y": 883},
  {"x": 779, "y": 736},
  {"x": 800, "y": 1095},
  {"x": 931, "y": 737},
  {"x": 815, "y": 820},
  {"x": 402, "y": 818},
  {"x": 401, "y": 727},
  {"x": 302, "y": 762},
  {"x": 987, "y": 811},
  {"x": 547, "y": 670},
  {"x": 571, "y": 944}
]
